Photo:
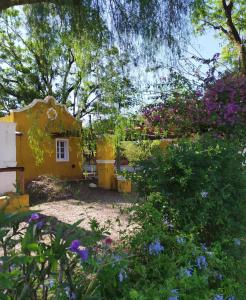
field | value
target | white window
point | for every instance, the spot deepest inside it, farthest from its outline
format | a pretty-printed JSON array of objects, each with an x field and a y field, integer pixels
[{"x": 62, "y": 153}]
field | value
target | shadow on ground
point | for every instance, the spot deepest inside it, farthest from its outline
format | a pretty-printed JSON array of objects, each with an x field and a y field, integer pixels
[{"x": 48, "y": 189}]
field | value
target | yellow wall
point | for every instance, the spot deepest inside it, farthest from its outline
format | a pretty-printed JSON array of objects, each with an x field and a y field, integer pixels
[
  {"x": 14, "y": 203},
  {"x": 34, "y": 118},
  {"x": 9, "y": 118}
]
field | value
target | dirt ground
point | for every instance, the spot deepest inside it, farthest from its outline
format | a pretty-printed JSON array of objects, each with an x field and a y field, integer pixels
[{"x": 88, "y": 203}]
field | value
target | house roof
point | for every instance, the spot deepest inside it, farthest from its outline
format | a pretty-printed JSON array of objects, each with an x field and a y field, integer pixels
[{"x": 35, "y": 101}]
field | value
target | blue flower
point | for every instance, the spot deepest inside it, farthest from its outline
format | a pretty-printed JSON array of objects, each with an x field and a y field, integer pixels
[
  {"x": 237, "y": 242},
  {"x": 180, "y": 240},
  {"x": 69, "y": 293},
  {"x": 84, "y": 254},
  {"x": 115, "y": 259},
  {"x": 232, "y": 298},
  {"x": 188, "y": 272},
  {"x": 219, "y": 276},
  {"x": 122, "y": 275},
  {"x": 201, "y": 262},
  {"x": 218, "y": 297},
  {"x": 155, "y": 247},
  {"x": 74, "y": 247},
  {"x": 169, "y": 225},
  {"x": 204, "y": 247},
  {"x": 204, "y": 194},
  {"x": 51, "y": 283},
  {"x": 175, "y": 295}
]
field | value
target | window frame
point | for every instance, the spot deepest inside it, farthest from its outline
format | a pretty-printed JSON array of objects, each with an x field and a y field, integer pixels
[{"x": 66, "y": 150}]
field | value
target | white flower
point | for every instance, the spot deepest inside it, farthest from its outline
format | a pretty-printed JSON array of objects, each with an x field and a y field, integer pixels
[
  {"x": 51, "y": 113},
  {"x": 204, "y": 194}
]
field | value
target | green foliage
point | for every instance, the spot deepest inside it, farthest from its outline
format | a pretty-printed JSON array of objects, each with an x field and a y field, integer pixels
[
  {"x": 39, "y": 142},
  {"x": 176, "y": 265},
  {"x": 155, "y": 21},
  {"x": 82, "y": 71},
  {"x": 36, "y": 260},
  {"x": 210, "y": 14},
  {"x": 155, "y": 261},
  {"x": 139, "y": 150},
  {"x": 203, "y": 186}
]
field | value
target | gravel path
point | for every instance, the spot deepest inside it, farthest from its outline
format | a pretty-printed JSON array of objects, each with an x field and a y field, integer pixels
[{"x": 104, "y": 209}]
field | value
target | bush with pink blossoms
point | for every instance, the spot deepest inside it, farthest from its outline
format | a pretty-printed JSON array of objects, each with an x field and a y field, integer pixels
[
  {"x": 174, "y": 118},
  {"x": 225, "y": 103}
]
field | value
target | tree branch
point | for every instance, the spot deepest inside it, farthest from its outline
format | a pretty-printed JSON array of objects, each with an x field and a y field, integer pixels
[
  {"x": 232, "y": 31},
  {"x": 216, "y": 27}
]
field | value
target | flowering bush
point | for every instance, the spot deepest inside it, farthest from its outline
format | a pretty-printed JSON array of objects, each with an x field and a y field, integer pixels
[
  {"x": 222, "y": 108},
  {"x": 202, "y": 184},
  {"x": 225, "y": 102},
  {"x": 166, "y": 263},
  {"x": 175, "y": 118},
  {"x": 53, "y": 261},
  {"x": 44, "y": 259}
]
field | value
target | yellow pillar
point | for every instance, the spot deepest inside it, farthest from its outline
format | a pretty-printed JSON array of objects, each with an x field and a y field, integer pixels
[{"x": 105, "y": 156}]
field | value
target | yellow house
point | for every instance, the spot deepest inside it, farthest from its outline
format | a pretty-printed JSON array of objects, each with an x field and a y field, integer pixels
[{"x": 47, "y": 140}]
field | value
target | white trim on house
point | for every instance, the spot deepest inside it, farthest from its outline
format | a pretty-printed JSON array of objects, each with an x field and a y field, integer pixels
[
  {"x": 35, "y": 101},
  {"x": 66, "y": 150},
  {"x": 105, "y": 161}
]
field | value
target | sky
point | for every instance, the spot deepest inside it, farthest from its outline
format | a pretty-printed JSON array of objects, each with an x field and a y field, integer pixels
[
  {"x": 204, "y": 46},
  {"x": 207, "y": 44}
]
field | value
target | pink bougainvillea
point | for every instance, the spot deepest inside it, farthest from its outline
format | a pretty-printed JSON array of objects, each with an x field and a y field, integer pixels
[
  {"x": 222, "y": 108},
  {"x": 225, "y": 102}
]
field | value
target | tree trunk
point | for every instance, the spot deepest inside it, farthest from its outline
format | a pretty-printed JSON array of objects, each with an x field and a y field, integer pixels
[
  {"x": 242, "y": 58},
  {"x": 234, "y": 35}
]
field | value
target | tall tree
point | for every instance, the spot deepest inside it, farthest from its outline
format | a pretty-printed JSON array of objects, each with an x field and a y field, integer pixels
[
  {"x": 164, "y": 21},
  {"x": 83, "y": 73},
  {"x": 228, "y": 19}
]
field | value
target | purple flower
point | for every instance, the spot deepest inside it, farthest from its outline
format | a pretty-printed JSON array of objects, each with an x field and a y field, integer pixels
[
  {"x": 122, "y": 275},
  {"x": 84, "y": 254},
  {"x": 198, "y": 93},
  {"x": 108, "y": 241},
  {"x": 34, "y": 217},
  {"x": 155, "y": 247},
  {"x": 201, "y": 262},
  {"x": 40, "y": 224},
  {"x": 216, "y": 56},
  {"x": 74, "y": 247},
  {"x": 218, "y": 297}
]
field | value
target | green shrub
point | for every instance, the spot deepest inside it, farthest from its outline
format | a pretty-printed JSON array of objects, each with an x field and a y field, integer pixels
[
  {"x": 136, "y": 151},
  {"x": 202, "y": 184},
  {"x": 43, "y": 259},
  {"x": 163, "y": 263}
]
